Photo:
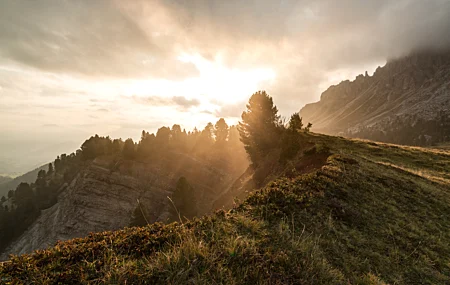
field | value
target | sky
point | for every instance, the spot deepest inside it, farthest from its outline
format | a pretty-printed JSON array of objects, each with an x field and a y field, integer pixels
[{"x": 72, "y": 69}]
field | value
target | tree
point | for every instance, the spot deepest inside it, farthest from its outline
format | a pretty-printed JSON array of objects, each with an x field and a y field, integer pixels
[
  {"x": 162, "y": 137},
  {"x": 260, "y": 126},
  {"x": 183, "y": 199},
  {"x": 308, "y": 127},
  {"x": 41, "y": 174},
  {"x": 138, "y": 219},
  {"x": 233, "y": 137},
  {"x": 116, "y": 146},
  {"x": 178, "y": 138},
  {"x": 295, "y": 123},
  {"x": 23, "y": 193},
  {"x": 129, "y": 151},
  {"x": 58, "y": 165},
  {"x": 221, "y": 131},
  {"x": 205, "y": 139},
  {"x": 146, "y": 145},
  {"x": 3, "y": 199},
  {"x": 50, "y": 169}
]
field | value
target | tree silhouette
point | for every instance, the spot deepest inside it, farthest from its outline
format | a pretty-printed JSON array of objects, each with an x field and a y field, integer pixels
[
  {"x": 308, "y": 127},
  {"x": 260, "y": 126},
  {"x": 138, "y": 219},
  {"x": 23, "y": 193},
  {"x": 183, "y": 199},
  {"x": 221, "y": 131},
  {"x": 129, "y": 151},
  {"x": 50, "y": 169},
  {"x": 57, "y": 164},
  {"x": 295, "y": 123},
  {"x": 163, "y": 137}
]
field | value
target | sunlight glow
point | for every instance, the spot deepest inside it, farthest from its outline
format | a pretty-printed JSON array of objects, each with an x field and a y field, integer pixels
[
  {"x": 215, "y": 84},
  {"x": 223, "y": 84}
]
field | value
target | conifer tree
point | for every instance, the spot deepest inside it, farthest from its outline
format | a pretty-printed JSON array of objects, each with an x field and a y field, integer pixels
[
  {"x": 260, "y": 126},
  {"x": 221, "y": 131},
  {"x": 183, "y": 199}
]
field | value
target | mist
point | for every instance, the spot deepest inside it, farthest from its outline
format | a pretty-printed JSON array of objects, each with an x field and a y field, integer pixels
[{"x": 68, "y": 70}]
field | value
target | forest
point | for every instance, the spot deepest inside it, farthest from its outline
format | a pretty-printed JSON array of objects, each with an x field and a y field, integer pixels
[{"x": 260, "y": 131}]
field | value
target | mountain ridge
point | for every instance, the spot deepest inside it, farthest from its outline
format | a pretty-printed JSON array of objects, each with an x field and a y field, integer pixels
[
  {"x": 371, "y": 214},
  {"x": 408, "y": 89}
]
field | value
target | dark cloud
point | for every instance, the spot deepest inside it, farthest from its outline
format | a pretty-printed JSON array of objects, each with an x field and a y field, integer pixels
[
  {"x": 92, "y": 38},
  {"x": 300, "y": 40},
  {"x": 305, "y": 40}
]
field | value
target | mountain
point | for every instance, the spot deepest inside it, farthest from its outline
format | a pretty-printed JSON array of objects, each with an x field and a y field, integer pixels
[
  {"x": 105, "y": 183},
  {"x": 19, "y": 156},
  {"x": 407, "y": 101},
  {"x": 342, "y": 211},
  {"x": 28, "y": 177},
  {"x": 4, "y": 179},
  {"x": 100, "y": 198}
]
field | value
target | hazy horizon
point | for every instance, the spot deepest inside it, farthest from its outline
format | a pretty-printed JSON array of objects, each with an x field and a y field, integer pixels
[{"x": 69, "y": 70}]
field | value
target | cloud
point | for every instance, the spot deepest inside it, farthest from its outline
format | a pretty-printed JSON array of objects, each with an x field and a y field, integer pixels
[
  {"x": 50, "y": 126},
  {"x": 89, "y": 38},
  {"x": 142, "y": 39},
  {"x": 181, "y": 102},
  {"x": 302, "y": 41},
  {"x": 231, "y": 110},
  {"x": 184, "y": 102}
]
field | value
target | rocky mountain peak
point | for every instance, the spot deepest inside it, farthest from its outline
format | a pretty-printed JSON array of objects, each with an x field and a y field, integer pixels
[{"x": 415, "y": 85}]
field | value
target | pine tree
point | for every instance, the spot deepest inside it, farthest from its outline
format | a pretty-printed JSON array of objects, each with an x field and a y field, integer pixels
[
  {"x": 183, "y": 199},
  {"x": 260, "y": 126},
  {"x": 129, "y": 150},
  {"x": 138, "y": 219},
  {"x": 295, "y": 123},
  {"x": 221, "y": 131},
  {"x": 50, "y": 169}
]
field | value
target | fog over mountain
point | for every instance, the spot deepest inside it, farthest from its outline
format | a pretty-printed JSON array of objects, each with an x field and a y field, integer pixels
[{"x": 69, "y": 69}]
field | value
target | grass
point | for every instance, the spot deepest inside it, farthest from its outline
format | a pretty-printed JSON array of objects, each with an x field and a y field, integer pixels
[{"x": 372, "y": 214}]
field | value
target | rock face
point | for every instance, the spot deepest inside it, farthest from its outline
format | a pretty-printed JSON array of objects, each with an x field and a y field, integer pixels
[
  {"x": 103, "y": 198},
  {"x": 417, "y": 85}
]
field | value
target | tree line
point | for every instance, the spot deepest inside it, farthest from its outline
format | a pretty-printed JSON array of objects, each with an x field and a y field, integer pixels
[{"x": 260, "y": 131}]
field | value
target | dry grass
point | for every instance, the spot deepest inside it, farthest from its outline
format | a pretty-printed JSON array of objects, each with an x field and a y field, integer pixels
[{"x": 373, "y": 214}]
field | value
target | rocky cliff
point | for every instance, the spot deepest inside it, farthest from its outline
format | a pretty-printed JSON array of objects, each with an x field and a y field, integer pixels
[
  {"x": 104, "y": 194},
  {"x": 411, "y": 89}
]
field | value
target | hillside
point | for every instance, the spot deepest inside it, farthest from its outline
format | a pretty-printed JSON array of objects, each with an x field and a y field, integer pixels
[
  {"x": 100, "y": 198},
  {"x": 111, "y": 184},
  {"x": 28, "y": 177},
  {"x": 407, "y": 101},
  {"x": 369, "y": 213},
  {"x": 4, "y": 179}
]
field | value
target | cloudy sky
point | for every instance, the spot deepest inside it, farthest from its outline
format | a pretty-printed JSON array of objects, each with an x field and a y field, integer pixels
[{"x": 70, "y": 69}]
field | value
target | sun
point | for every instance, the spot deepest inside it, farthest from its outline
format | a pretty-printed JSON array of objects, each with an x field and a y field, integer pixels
[
  {"x": 218, "y": 83},
  {"x": 216, "y": 86}
]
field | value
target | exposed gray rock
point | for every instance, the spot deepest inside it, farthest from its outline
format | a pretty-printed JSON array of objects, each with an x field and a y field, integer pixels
[
  {"x": 99, "y": 199},
  {"x": 418, "y": 85}
]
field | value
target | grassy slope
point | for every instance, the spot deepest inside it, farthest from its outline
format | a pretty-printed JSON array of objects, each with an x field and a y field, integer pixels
[{"x": 373, "y": 214}]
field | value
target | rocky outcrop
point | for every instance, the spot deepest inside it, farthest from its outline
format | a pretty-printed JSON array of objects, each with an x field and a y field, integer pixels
[
  {"x": 104, "y": 195},
  {"x": 417, "y": 85}
]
